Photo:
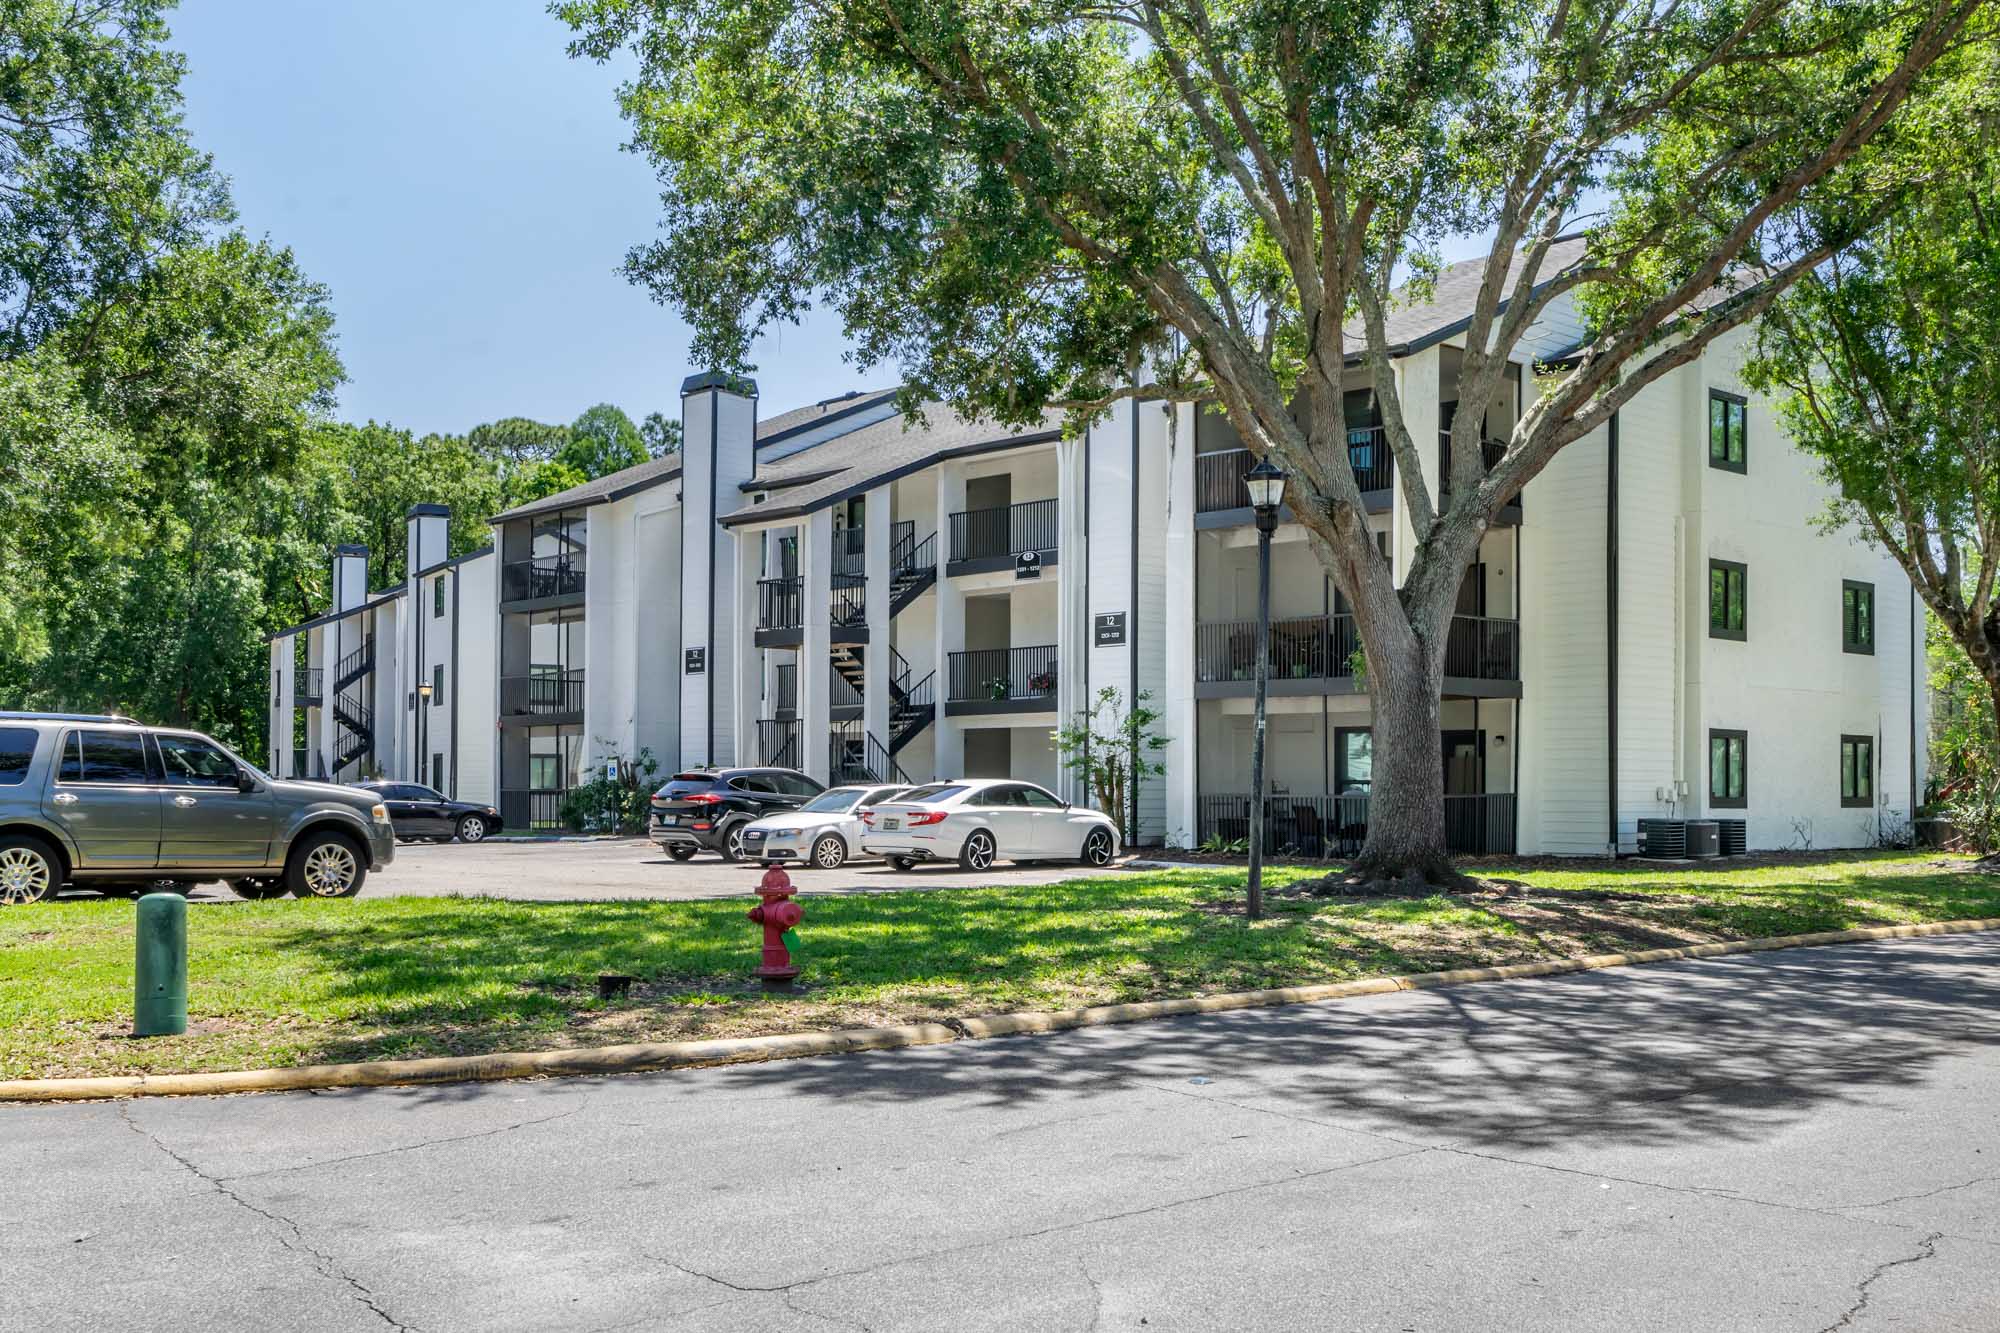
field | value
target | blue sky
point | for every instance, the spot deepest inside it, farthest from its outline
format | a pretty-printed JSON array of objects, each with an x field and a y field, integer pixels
[{"x": 456, "y": 180}]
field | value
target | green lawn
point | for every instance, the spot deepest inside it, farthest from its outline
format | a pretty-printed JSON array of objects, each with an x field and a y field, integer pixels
[{"x": 292, "y": 982}]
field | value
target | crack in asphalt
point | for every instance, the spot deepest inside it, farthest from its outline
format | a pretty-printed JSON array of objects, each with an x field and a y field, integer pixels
[
  {"x": 1921, "y": 1194},
  {"x": 583, "y": 1101},
  {"x": 1926, "y": 1249},
  {"x": 292, "y": 1238}
]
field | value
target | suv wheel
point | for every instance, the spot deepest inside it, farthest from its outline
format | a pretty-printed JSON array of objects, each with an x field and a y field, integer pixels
[
  {"x": 830, "y": 852},
  {"x": 257, "y": 889},
  {"x": 680, "y": 853},
  {"x": 325, "y": 865},
  {"x": 731, "y": 844},
  {"x": 471, "y": 829},
  {"x": 28, "y": 872},
  {"x": 977, "y": 854}
]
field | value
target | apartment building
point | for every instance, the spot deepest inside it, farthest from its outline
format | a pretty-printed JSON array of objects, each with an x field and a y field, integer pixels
[
  {"x": 395, "y": 682},
  {"x": 865, "y": 596}
]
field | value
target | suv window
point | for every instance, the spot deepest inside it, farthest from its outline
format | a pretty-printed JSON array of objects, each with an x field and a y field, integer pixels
[
  {"x": 194, "y": 763},
  {"x": 685, "y": 784},
  {"x": 754, "y": 782},
  {"x": 796, "y": 784},
  {"x": 107, "y": 758},
  {"x": 17, "y": 748}
]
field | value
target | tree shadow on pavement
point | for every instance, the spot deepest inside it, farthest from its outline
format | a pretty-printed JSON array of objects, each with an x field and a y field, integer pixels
[{"x": 1734, "y": 1048}]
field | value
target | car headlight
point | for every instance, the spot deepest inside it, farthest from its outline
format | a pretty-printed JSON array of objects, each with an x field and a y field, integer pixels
[
  {"x": 379, "y": 813},
  {"x": 775, "y": 832}
]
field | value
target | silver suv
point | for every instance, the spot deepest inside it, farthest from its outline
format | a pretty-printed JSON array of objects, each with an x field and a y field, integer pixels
[{"x": 108, "y": 804}]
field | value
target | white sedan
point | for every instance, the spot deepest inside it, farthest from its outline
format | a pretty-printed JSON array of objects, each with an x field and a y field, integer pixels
[
  {"x": 976, "y": 821},
  {"x": 823, "y": 832}
]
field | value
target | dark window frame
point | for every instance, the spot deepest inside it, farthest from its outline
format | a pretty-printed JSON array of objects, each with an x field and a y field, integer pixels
[
  {"x": 13, "y": 774},
  {"x": 1724, "y": 801},
  {"x": 1341, "y": 778},
  {"x": 155, "y": 772},
  {"x": 1742, "y": 571},
  {"x": 1741, "y": 464},
  {"x": 1849, "y": 641},
  {"x": 437, "y": 685},
  {"x": 1852, "y": 795},
  {"x": 437, "y": 598}
]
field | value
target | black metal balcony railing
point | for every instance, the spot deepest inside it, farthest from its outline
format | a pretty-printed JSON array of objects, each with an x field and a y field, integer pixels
[
  {"x": 531, "y": 809},
  {"x": 840, "y": 691},
  {"x": 978, "y": 534},
  {"x": 311, "y": 684},
  {"x": 850, "y": 607},
  {"x": 850, "y": 556},
  {"x": 781, "y": 603},
  {"x": 1001, "y": 674},
  {"x": 1336, "y": 826},
  {"x": 1218, "y": 475},
  {"x": 542, "y": 576},
  {"x": 544, "y": 690},
  {"x": 1324, "y": 648},
  {"x": 778, "y": 742},
  {"x": 1491, "y": 451},
  {"x": 1302, "y": 648}
]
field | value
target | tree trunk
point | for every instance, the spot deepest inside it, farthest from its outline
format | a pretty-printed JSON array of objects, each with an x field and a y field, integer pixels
[{"x": 1406, "y": 839}]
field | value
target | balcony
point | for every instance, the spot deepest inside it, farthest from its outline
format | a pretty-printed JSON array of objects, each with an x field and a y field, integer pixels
[
  {"x": 1218, "y": 475},
  {"x": 546, "y": 691},
  {"x": 1309, "y": 653},
  {"x": 983, "y": 540},
  {"x": 311, "y": 687},
  {"x": 545, "y": 578},
  {"x": 780, "y": 612},
  {"x": 1327, "y": 826},
  {"x": 1491, "y": 452},
  {"x": 778, "y": 742},
  {"x": 1001, "y": 680}
]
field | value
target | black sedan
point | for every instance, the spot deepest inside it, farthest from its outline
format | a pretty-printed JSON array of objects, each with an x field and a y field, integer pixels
[{"x": 417, "y": 811}]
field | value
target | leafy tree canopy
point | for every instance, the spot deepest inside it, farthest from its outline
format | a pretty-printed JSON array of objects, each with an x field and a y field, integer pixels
[{"x": 603, "y": 441}]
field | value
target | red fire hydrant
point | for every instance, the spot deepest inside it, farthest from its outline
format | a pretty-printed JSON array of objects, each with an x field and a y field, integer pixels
[{"x": 779, "y": 915}]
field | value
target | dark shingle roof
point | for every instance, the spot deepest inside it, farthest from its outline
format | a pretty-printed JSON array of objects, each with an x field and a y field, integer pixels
[
  {"x": 819, "y": 414},
  {"x": 612, "y": 486},
  {"x": 1411, "y": 328},
  {"x": 879, "y": 453}
]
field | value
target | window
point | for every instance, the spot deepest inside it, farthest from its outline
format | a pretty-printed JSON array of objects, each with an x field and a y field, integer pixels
[
  {"x": 437, "y": 685},
  {"x": 1857, "y": 771},
  {"x": 1728, "y": 769},
  {"x": 437, "y": 597},
  {"x": 17, "y": 748},
  {"x": 1726, "y": 580},
  {"x": 1037, "y": 799},
  {"x": 1354, "y": 748},
  {"x": 108, "y": 758},
  {"x": 194, "y": 763},
  {"x": 1726, "y": 430},
  {"x": 437, "y": 776},
  {"x": 1857, "y": 617}
]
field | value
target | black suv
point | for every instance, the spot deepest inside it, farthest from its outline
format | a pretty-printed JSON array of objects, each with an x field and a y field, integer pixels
[
  {"x": 706, "y": 809},
  {"x": 418, "y": 811}
]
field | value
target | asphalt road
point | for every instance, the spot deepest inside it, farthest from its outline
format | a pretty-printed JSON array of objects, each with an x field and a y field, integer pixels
[
  {"x": 1798, "y": 1141},
  {"x": 628, "y": 868}
]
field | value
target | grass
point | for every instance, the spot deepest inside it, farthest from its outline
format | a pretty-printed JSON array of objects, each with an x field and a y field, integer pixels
[{"x": 291, "y": 982}]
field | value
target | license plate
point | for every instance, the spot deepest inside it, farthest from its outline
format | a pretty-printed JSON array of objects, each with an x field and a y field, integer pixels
[{"x": 891, "y": 824}]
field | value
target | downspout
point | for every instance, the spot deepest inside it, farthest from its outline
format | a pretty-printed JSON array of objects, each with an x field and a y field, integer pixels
[
  {"x": 1611, "y": 631},
  {"x": 456, "y": 589}
]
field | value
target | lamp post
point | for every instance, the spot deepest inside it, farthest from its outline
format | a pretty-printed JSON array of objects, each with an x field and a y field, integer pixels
[
  {"x": 423, "y": 728},
  {"x": 1266, "y": 484}
]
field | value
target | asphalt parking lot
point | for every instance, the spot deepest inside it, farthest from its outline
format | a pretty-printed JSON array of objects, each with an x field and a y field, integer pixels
[{"x": 620, "y": 869}]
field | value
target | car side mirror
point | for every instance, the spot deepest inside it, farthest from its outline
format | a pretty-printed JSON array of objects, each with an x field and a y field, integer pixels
[{"x": 244, "y": 782}]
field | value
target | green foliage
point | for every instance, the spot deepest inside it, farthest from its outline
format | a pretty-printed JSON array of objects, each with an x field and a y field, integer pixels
[
  {"x": 603, "y": 441},
  {"x": 614, "y": 805},
  {"x": 513, "y": 441},
  {"x": 1113, "y": 749},
  {"x": 662, "y": 434}
]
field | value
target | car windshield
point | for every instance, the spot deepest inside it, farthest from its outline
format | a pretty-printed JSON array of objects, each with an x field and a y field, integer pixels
[
  {"x": 935, "y": 794},
  {"x": 838, "y": 798}
]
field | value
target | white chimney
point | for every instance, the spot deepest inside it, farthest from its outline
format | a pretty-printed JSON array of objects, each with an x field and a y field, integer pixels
[
  {"x": 430, "y": 526},
  {"x": 350, "y": 577}
]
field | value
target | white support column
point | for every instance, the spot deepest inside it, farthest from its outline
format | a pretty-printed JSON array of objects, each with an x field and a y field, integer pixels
[
  {"x": 279, "y": 750},
  {"x": 815, "y": 655},
  {"x": 1177, "y": 702},
  {"x": 878, "y": 515},
  {"x": 1076, "y": 678},
  {"x": 948, "y": 750},
  {"x": 1417, "y": 382},
  {"x": 320, "y": 762},
  {"x": 719, "y": 429},
  {"x": 746, "y": 656}
]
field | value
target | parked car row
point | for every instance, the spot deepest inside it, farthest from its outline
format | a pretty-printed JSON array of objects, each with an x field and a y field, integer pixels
[{"x": 775, "y": 815}]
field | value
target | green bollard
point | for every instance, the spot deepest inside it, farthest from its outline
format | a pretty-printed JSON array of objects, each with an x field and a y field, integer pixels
[{"x": 160, "y": 970}]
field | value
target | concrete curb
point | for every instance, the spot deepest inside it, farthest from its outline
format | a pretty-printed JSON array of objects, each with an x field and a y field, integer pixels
[{"x": 746, "y": 1050}]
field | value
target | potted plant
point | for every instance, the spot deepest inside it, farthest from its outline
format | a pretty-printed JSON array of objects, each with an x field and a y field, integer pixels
[{"x": 999, "y": 687}]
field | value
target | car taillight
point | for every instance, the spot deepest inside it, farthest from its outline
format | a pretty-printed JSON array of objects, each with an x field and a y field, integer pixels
[
  {"x": 703, "y": 798},
  {"x": 923, "y": 817},
  {"x": 867, "y": 816}
]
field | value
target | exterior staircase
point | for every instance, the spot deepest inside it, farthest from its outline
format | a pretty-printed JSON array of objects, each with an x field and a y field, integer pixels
[{"x": 356, "y": 719}]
